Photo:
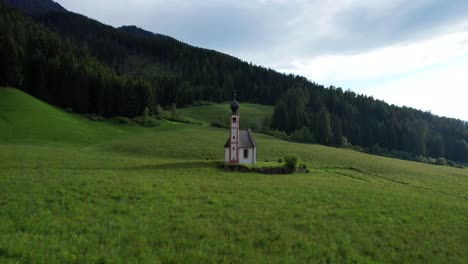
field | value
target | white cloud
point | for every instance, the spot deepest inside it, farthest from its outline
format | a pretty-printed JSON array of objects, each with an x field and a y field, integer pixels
[
  {"x": 384, "y": 62},
  {"x": 443, "y": 91}
]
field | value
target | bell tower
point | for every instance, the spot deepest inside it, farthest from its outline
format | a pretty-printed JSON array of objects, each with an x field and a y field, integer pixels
[{"x": 234, "y": 132}]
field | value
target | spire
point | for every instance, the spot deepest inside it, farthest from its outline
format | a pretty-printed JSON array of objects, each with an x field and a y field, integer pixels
[{"x": 234, "y": 104}]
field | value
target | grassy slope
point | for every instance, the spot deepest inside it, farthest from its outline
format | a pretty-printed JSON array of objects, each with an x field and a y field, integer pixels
[
  {"x": 24, "y": 119},
  {"x": 130, "y": 194},
  {"x": 252, "y": 115}
]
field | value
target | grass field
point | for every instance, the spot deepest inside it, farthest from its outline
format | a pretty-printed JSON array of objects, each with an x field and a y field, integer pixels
[
  {"x": 79, "y": 191},
  {"x": 253, "y": 115}
]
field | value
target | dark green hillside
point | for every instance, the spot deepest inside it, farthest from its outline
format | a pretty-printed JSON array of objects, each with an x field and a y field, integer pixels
[
  {"x": 129, "y": 194},
  {"x": 36, "y": 6},
  {"x": 58, "y": 72},
  {"x": 201, "y": 74}
]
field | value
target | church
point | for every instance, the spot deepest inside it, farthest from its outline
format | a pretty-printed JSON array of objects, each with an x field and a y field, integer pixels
[{"x": 240, "y": 148}]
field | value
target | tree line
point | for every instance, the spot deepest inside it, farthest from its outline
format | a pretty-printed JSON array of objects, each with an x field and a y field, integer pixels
[
  {"x": 180, "y": 73},
  {"x": 331, "y": 116},
  {"x": 57, "y": 71}
]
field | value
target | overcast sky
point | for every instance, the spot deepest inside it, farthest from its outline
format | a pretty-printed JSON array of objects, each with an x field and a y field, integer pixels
[{"x": 412, "y": 53}]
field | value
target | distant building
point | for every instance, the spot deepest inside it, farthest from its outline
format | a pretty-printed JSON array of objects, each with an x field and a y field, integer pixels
[{"x": 240, "y": 147}]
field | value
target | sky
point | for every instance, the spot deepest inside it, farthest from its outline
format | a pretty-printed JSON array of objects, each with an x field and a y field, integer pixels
[{"x": 412, "y": 53}]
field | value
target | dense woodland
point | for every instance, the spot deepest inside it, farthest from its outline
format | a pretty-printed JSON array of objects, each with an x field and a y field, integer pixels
[
  {"x": 75, "y": 62},
  {"x": 336, "y": 117}
]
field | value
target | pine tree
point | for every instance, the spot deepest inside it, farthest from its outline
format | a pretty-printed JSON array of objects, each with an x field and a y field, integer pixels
[{"x": 324, "y": 131}]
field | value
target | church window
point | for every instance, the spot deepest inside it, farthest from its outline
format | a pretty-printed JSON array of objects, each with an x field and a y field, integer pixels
[
  {"x": 246, "y": 153},
  {"x": 234, "y": 120}
]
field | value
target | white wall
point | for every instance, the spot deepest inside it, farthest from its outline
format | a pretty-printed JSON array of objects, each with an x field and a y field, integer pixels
[
  {"x": 226, "y": 154},
  {"x": 251, "y": 158}
]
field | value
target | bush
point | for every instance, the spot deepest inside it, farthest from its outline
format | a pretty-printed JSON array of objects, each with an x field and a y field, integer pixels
[
  {"x": 280, "y": 160},
  {"x": 421, "y": 158},
  {"x": 149, "y": 121},
  {"x": 173, "y": 113},
  {"x": 441, "y": 161},
  {"x": 160, "y": 114},
  {"x": 302, "y": 135},
  {"x": 343, "y": 142},
  {"x": 123, "y": 120},
  {"x": 279, "y": 134},
  {"x": 291, "y": 161},
  {"x": 451, "y": 163},
  {"x": 94, "y": 117}
]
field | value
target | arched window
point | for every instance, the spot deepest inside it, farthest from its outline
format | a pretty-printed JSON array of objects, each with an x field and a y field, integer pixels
[{"x": 234, "y": 120}]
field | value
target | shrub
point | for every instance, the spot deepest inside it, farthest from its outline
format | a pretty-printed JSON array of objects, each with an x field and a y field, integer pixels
[
  {"x": 94, "y": 117},
  {"x": 451, "y": 163},
  {"x": 279, "y": 134},
  {"x": 291, "y": 161},
  {"x": 146, "y": 115},
  {"x": 150, "y": 121},
  {"x": 344, "y": 142},
  {"x": 441, "y": 161},
  {"x": 421, "y": 158},
  {"x": 160, "y": 114},
  {"x": 302, "y": 135},
  {"x": 173, "y": 113},
  {"x": 123, "y": 120},
  {"x": 280, "y": 160}
]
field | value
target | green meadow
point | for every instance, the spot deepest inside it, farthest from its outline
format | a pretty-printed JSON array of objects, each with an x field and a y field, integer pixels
[
  {"x": 74, "y": 190},
  {"x": 252, "y": 115}
]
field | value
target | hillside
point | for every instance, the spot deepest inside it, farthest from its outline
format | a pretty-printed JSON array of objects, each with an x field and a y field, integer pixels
[
  {"x": 73, "y": 61},
  {"x": 36, "y": 6},
  {"x": 24, "y": 119},
  {"x": 254, "y": 116},
  {"x": 134, "y": 194}
]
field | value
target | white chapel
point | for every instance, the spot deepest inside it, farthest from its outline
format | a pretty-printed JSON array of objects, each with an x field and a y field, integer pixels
[{"x": 240, "y": 148}]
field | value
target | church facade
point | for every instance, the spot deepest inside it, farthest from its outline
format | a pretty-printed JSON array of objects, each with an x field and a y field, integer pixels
[{"x": 240, "y": 147}]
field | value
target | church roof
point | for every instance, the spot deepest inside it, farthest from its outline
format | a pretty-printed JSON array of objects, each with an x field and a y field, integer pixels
[{"x": 246, "y": 139}]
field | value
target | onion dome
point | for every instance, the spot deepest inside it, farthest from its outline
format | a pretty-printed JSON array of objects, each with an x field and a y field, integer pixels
[{"x": 234, "y": 106}]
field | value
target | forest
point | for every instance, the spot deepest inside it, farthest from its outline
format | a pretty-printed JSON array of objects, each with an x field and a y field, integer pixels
[{"x": 75, "y": 62}]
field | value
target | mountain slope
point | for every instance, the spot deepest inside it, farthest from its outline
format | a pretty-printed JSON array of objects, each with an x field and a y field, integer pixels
[
  {"x": 24, "y": 119},
  {"x": 122, "y": 71},
  {"x": 36, "y": 6}
]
